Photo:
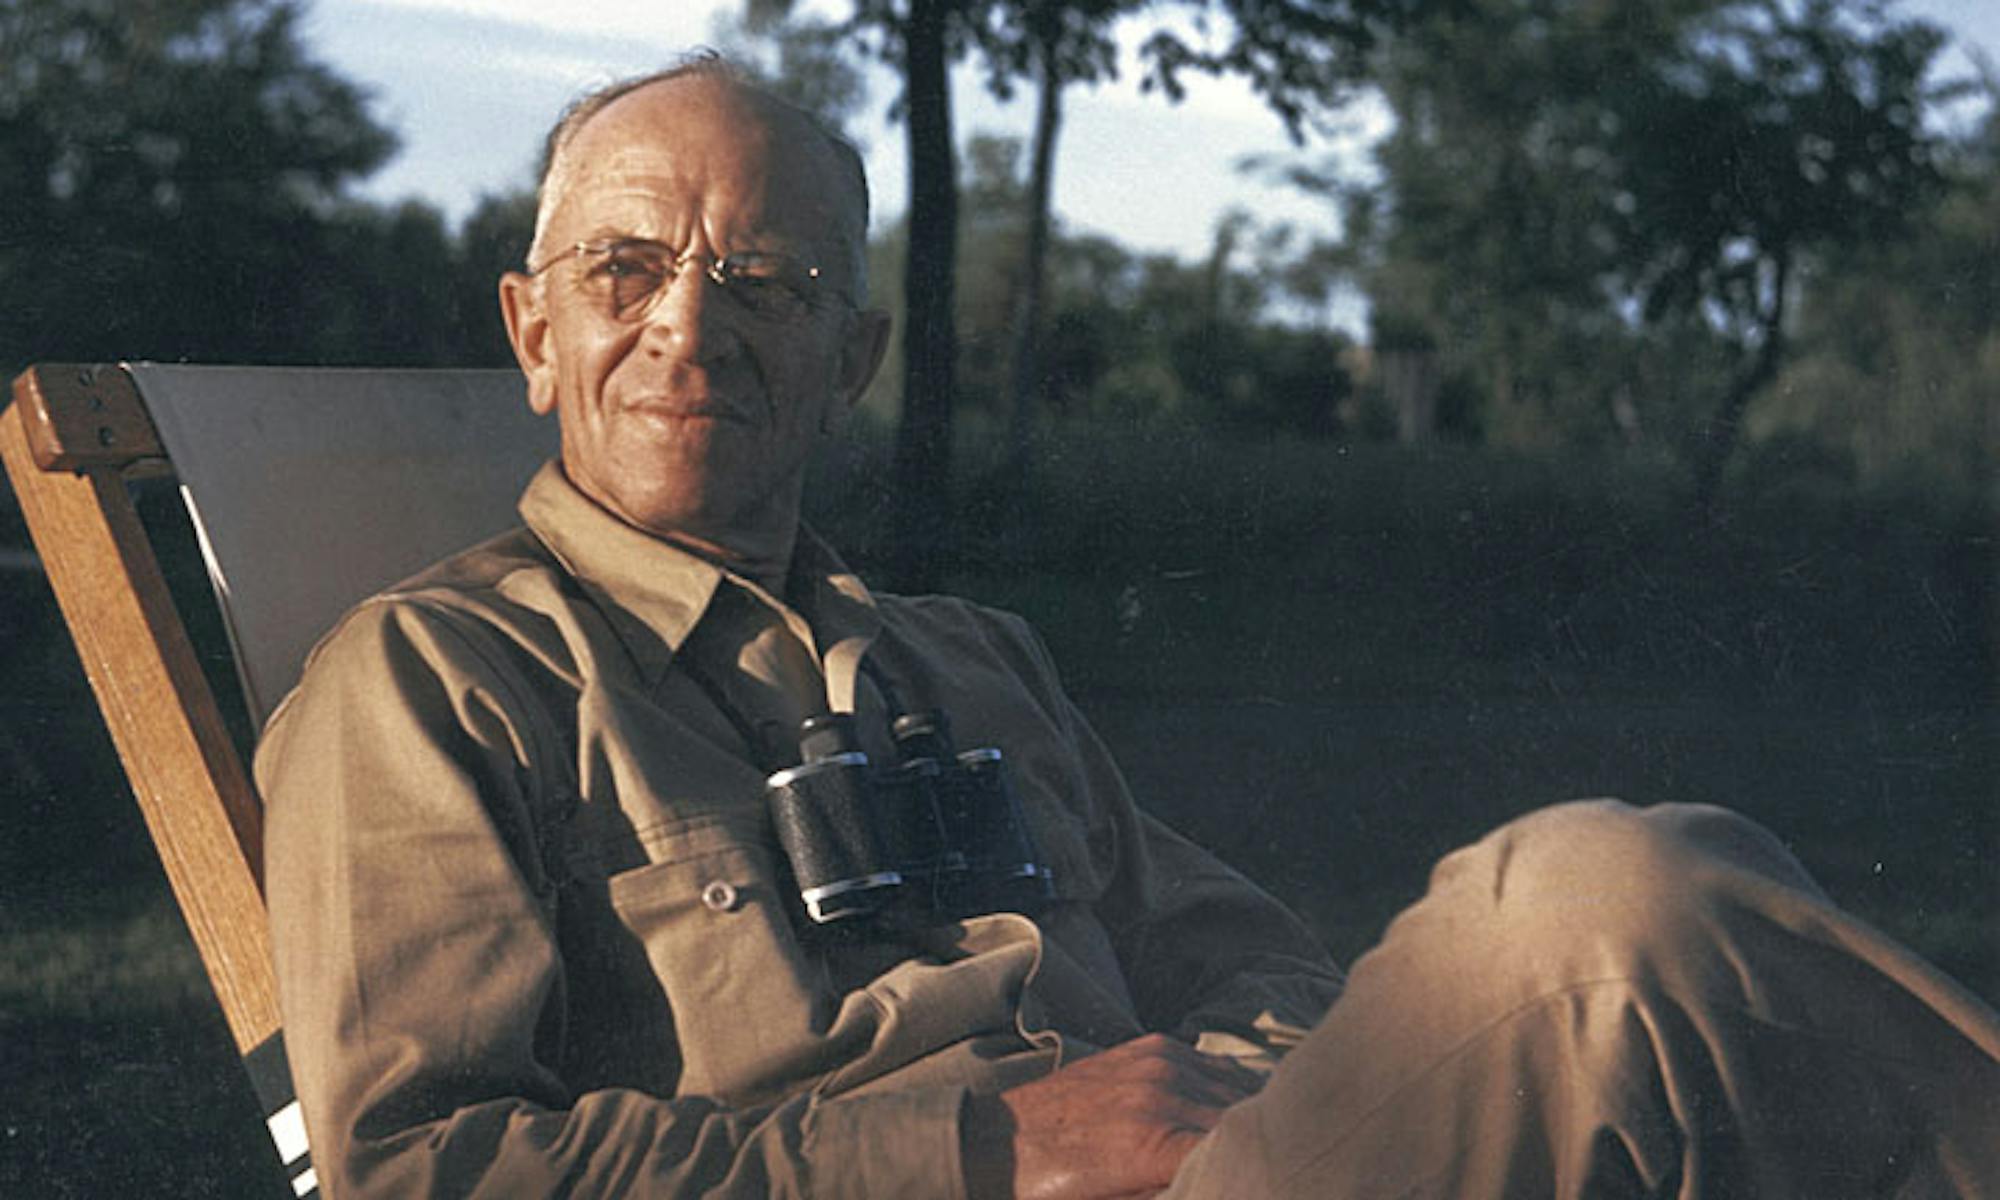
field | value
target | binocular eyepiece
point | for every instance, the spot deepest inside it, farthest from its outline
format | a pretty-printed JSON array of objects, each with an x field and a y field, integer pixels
[{"x": 935, "y": 837}]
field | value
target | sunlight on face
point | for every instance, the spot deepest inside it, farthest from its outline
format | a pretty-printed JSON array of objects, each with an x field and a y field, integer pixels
[{"x": 693, "y": 416}]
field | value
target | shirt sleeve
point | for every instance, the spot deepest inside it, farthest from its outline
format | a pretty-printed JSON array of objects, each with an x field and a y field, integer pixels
[
  {"x": 422, "y": 985},
  {"x": 1209, "y": 956}
]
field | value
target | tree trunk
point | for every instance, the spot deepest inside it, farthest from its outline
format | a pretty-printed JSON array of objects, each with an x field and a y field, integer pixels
[
  {"x": 930, "y": 343},
  {"x": 1410, "y": 380},
  {"x": 1717, "y": 440},
  {"x": 1028, "y": 383}
]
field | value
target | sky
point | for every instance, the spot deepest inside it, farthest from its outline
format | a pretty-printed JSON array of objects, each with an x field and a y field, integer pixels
[{"x": 470, "y": 86}]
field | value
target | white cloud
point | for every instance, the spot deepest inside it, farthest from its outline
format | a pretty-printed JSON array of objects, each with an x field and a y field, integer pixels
[{"x": 684, "y": 22}]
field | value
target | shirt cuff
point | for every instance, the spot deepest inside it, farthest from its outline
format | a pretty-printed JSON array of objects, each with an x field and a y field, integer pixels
[{"x": 888, "y": 1144}]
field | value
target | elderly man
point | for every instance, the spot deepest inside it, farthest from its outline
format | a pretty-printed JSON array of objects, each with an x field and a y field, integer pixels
[{"x": 538, "y": 931}]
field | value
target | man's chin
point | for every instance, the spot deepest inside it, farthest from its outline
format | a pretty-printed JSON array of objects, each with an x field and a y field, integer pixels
[
  {"x": 716, "y": 491},
  {"x": 689, "y": 511}
]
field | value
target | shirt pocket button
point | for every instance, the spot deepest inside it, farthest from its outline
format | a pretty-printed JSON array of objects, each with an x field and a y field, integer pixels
[{"x": 720, "y": 896}]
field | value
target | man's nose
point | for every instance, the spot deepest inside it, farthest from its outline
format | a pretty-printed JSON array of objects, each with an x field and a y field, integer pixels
[{"x": 688, "y": 317}]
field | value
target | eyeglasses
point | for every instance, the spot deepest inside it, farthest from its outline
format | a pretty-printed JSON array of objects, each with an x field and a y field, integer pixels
[{"x": 625, "y": 277}]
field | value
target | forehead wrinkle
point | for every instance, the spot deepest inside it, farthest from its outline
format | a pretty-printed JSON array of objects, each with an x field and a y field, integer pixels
[
  {"x": 633, "y": 152},
  {"x": 634, "y": 205}
]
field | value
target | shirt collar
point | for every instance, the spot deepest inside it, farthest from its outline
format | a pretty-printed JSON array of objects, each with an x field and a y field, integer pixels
[{"x": 654, "y": 593}]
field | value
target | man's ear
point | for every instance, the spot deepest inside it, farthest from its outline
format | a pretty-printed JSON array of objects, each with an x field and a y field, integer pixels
[
  {"x": 861, "y": 353},
  {"x": 528, "y": 331}
]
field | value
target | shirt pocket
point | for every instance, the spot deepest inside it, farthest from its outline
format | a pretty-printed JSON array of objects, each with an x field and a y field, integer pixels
[{"x": 750, "y": 1007}]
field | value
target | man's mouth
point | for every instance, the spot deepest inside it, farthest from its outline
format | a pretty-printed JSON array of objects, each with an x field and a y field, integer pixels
[{"x": 706, "y": 408}]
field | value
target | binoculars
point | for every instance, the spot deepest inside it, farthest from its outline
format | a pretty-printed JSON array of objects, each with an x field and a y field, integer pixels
[{"x": 936, "y": 837}]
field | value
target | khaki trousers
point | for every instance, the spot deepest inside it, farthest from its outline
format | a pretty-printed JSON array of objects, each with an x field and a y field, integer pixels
[{"x": 1602, "y": 1001}]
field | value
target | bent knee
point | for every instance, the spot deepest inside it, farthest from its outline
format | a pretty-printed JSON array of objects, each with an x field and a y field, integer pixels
[
  {"x": 1603, "y": 870},
  {"x": 1616, "y": 845}
]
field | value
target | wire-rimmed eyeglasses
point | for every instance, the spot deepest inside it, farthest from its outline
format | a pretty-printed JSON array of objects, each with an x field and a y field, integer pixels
[{"x": 623, "y": 277}]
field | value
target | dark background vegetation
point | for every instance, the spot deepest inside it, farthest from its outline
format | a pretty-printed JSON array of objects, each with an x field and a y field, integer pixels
[{"x": 1337, "y": 606}]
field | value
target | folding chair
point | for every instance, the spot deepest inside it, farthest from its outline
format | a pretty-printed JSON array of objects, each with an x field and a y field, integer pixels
[{"x": 308, "y": 490}]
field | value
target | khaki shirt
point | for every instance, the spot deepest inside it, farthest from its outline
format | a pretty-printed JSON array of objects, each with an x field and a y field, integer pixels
[{"x": 531, "y": 925}]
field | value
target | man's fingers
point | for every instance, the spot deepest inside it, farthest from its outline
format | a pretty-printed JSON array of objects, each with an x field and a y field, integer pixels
[
  {"x": 1210, "y": 1091},
  {"x": 1118, "y": 1122},
  {"x": 1198, "y": 1120},
  {"x": 1230, "y": 1073},
  {"x": 1224, "y": 1079}
]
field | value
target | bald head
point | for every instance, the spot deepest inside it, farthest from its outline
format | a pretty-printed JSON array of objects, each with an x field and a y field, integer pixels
[
  {"x": 819, "y": 168},
  {"x": 690, "y": 400}
]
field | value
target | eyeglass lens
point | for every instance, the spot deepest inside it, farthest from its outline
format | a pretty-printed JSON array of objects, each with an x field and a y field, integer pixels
[{"x": 625, "y": 277}]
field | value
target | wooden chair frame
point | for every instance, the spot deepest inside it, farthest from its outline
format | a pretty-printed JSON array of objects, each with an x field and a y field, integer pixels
[{"x": 70, "y": 440}]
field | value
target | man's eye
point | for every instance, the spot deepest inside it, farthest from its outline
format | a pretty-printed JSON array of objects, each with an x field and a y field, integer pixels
[
  {"x": 768, "y": 284},
  {"x": 767, "y": 268},
  {"x": 631, "y": 266}
]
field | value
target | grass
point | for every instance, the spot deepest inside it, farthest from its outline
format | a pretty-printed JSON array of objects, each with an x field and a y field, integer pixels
[
  {"x": 96, "y": 963},
  {"x": 1375, "y": 653},
  {"x": 1329, "y": 663}
]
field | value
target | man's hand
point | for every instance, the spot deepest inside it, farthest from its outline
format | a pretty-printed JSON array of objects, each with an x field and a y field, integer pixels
[{"x": 1114, "y": 1124}]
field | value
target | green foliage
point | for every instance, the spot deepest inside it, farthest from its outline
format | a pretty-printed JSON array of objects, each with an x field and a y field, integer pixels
[
  {"x": 177, "y": 189},
  {"x": 1897, "y": 345},
  {"x": 1070, "y": 39},
  {"x": 493, "y": 241},
  {"x": 1489, "y": 238},
  {"x": 799, "y": 58},
  {"x": 1602, "y": 213},
  {"x": 1452, "y": 568},
  {"x": 1135, "y": 337},
  {"x": 1297, "y": 54},
  {"x": 1769, "y": 130},
  {"x": 1302, "y": 56},
  {"x": 170, "y": 170}
]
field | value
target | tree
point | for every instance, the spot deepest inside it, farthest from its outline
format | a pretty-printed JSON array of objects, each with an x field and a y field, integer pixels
[
  {"x": 993, "y": 215},
  {"x": 1896, "y": 346},
  {"x": 1298, "y": 54},
  {"x": 1304, "y": 57},
  {"x": 171, "y": 168},
  {"x": 1575, "y": 187},
  {"x": 798, "y": 58},
  {"x": 1053, "y": 44},
  {"x": 493, "y": 241},
  {"x": 1778, "y": 133},
  {"x": 1490, "y": 239},
  {"x": 1137, "y": 338},
  {"x": 387, "y": 292},
  {"x": 921, "y": 38}
]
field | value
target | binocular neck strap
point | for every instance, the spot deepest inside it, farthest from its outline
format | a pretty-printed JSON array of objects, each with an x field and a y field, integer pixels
[
  {"x": 891, "y": 699},
  {"x": 771, "y": 748},
  {"x": 758, "y": 742}
]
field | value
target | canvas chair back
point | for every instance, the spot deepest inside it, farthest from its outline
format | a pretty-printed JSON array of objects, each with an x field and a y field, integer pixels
[
  {"x": 313, "y": 489},
  {"x": 309, "y": 489}
]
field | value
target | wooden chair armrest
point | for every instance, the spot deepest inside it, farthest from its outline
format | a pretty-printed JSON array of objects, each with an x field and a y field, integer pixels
[{"x": 79, "y": 415}]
